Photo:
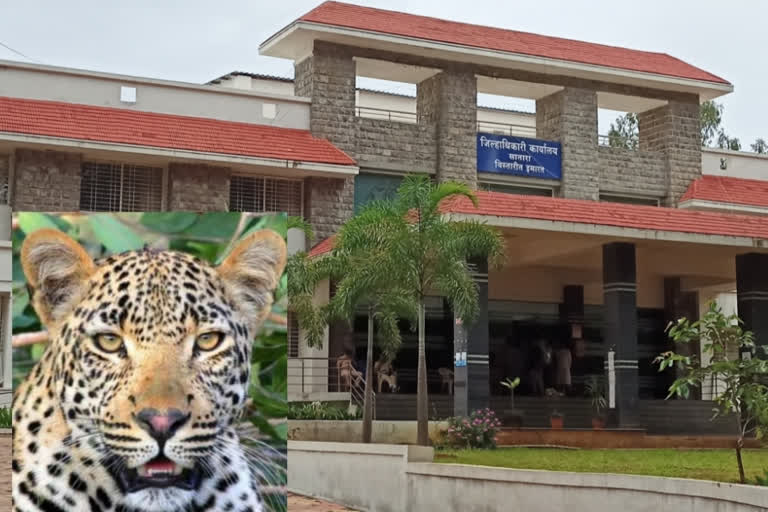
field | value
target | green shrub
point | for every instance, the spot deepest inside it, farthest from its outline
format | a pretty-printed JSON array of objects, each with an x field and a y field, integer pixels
[
  {"x": 5, "y": 418},
  {"x": 321, "y": 411},
  {"x": 762, "y": 480}
]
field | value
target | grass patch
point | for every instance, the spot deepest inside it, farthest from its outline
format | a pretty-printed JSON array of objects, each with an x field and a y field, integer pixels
[
  {"x": 5, "y": 417},
  {"x": 719, "y": 465}
]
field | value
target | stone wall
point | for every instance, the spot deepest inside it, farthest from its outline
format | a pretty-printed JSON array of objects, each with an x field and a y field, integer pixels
[
  {"x": 625, "y": 171},
  {"x": 47, "y": 181},
  {"x": 329, "y": 202},
  {"x": 674, "y": 130},
  {"x": 398, "y": 146},
  {"x": 198, "y": 188},
  {"x": 570, "y": 116}
]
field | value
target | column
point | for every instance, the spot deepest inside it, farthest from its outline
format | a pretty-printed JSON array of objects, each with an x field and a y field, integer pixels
[
  {"x": 752, "y": 295},
  {"x": 620, "y": 326},
  {"x": 470, "y": 344}
]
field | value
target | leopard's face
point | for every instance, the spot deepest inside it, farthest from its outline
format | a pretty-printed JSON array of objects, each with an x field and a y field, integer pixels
[{"x": 152, "y": 363}]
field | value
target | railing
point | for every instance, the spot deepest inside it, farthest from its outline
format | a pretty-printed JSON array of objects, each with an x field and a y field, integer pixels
[
  {"x": 617, "y": 141},
  {"x": 518, "y": 130},
  {"x": 387, "y": 115},
  {"x": 320, "y": 375}
]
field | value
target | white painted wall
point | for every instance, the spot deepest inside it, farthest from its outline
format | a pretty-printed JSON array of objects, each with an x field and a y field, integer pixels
[
  {"x": 19, "y": 80},
  {"x": 739, "y": 164},
  {"x": 395, "y": 478}
]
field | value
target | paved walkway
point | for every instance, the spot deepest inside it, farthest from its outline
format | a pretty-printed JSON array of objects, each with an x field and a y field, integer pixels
[
  {"x": 5, "y": 472},
  {"x": 298, "y": 503}
]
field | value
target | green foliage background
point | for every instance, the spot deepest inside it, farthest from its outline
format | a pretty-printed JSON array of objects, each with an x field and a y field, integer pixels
[{"x": 207, "y": 236}]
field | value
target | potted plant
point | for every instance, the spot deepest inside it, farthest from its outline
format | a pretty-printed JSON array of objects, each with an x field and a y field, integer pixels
[
  {"x": 595, "y": 390},
  {"x": 555, "y": 417},
  {"x": 512, "y": 417}
]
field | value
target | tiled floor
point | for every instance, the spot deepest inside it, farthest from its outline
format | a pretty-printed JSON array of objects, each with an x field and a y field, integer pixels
[
  {"x": 304, "y": 504},
  {"x": 5, "y": 472}
]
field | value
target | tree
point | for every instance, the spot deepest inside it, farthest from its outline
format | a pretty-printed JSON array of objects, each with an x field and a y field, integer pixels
[
  {"x": 711, "y": 116},
  {"x": 408, "y": 241},
  {"x": 624, "y": 132},
  {"x": 740, "y": 383},
  {"x": 385, "y": 299},
  {"x": 760, "y": 146},
  {"x": 726, "y": 142}
]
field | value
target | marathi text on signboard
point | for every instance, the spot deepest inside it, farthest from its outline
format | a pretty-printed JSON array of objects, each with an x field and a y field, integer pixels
[{"x": 519, "y": 156}]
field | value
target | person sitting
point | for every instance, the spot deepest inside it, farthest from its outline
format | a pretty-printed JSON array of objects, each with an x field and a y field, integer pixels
[
  {"x": 346, "y": 373},
  {"x": 385, "y": 372}
]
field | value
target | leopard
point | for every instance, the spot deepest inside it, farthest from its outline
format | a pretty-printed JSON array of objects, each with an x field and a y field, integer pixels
[{"x": 135, "y": 404}]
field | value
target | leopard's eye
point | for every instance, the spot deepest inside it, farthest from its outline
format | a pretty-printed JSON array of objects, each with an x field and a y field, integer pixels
[
  {"x": 209, "y": 341},
  {"x": 108, "y": 342}
]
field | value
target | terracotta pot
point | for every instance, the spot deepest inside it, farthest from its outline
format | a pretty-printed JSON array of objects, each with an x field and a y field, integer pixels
[
  {"x": 556, "y": 422},
  {"x": 598, "y": 423}
]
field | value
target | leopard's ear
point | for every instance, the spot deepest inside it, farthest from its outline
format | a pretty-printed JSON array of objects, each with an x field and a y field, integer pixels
[
  {"x": 252, "y": 271},
  {"x": 57, "y": 269}
]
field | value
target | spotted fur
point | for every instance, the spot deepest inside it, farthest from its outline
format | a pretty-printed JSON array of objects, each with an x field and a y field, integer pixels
[{"x": 75, "y": 414}]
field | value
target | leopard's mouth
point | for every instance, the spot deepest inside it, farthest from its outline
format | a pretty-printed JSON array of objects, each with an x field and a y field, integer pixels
[{"x": 158, "y": 473}]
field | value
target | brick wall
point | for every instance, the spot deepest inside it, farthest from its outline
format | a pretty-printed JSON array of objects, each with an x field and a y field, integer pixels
[
  {"x": 570, "y": 116},
  {"x": 47, "y": 181},
  {"x": 674, "y": 130},
  {"x": 195, "y": 187},
  {"x": 625, "y": 171},
  {"x": 448, "y": 100}
]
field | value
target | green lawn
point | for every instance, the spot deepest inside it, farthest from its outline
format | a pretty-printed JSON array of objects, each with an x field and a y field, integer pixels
[{"x": 702, "y": 464}]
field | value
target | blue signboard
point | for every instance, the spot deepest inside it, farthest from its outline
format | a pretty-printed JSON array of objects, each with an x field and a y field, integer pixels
[{"x": 519, "y": 156}]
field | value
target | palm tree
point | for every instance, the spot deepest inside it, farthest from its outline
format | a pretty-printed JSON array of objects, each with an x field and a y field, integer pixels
[
  {"x": 409, "y": 242},
  {"x": 385, "y": 299}
]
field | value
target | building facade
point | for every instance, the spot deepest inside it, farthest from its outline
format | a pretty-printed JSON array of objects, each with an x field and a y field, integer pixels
[{"x": 605, "y": 243}]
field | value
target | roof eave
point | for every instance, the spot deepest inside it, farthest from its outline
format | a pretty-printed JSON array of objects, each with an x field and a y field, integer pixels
[{"x": 282, "y": 45}]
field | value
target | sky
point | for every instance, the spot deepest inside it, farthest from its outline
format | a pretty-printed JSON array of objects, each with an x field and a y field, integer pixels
[{"x": 196, "y": 40}]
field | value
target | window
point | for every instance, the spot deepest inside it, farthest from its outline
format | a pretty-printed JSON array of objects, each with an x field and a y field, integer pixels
[
  {"x": 266, "y": 194},
  {"x": 293, "y": 336},
  {"x": 647, "y": 201},
  {"x": 121, "y": 188},
  {"x": 516, "y": 189},
  {"x": 371, "y": 187}
]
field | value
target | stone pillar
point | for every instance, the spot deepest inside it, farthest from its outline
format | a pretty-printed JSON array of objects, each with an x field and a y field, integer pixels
[
  {"x": 570, "y": 116},
  {"x": 674, "y": 130},
  {"x": 752, "y": 295},
  {"x": 448, "y": 100},
  {"x": 198, "y": 188},
  {"x": 328, "y": 78},
  {"x": 620, "y": 326},
  {"x": 471, "y": 345}
]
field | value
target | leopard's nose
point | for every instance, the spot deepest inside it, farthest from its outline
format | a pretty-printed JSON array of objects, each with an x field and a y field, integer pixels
[{"x": 161, "y": 425}]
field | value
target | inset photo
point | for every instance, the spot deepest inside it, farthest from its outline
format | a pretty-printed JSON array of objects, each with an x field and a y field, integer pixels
[{"x": 149, "y": 361}]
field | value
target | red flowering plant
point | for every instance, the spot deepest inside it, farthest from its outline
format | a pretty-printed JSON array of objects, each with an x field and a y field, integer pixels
[{"x": 478, "y": 430}]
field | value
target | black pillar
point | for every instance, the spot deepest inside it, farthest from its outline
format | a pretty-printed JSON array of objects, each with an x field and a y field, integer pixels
[
  {"x": 471, "y": 358},
  {"x": 620, "y": 326},
  {"x": 752, "y": 295}
]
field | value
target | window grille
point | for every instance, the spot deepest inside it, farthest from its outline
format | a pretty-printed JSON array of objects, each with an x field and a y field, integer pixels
[
  {"x": 260, "y": 194},
  {"x": 293, "y": 336},
  {"x": 108, "y": 187}
]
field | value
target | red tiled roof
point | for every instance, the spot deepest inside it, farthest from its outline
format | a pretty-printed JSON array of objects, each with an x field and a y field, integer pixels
[
  {"x": 122, "y": 126},
  {"x": 434, "y": 29},
  {"x": 323, "y": 247},
  {"x": 610, "y": 214},
  {"x": 725, "y": 189}
]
